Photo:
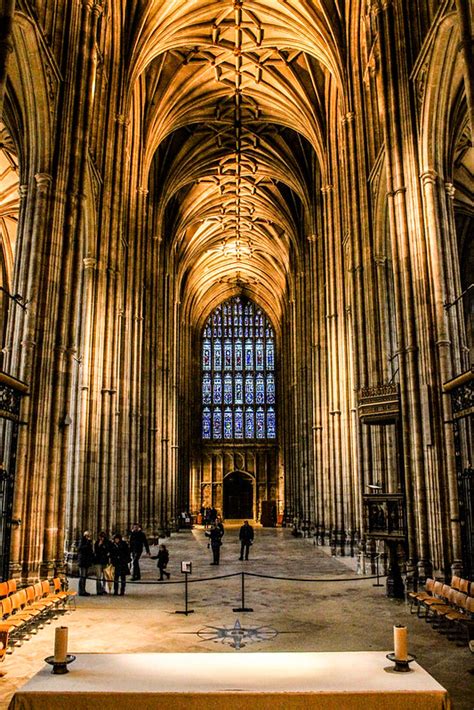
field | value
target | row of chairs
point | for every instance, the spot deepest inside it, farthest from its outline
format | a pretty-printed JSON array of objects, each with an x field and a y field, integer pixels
[
  {"x": 7, "y": 588},
  {"x": 24, "y": 611},
  {"x": 449, "y": 607}
]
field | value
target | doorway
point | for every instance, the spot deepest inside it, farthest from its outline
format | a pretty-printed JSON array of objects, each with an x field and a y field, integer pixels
[{"x": 238, "y": 496}]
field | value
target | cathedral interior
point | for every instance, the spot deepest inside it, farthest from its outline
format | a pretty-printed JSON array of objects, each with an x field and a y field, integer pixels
[{"x": 236, "y": 271}]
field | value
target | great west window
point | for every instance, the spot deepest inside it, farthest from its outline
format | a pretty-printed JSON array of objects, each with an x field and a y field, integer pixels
[{"x": 238, "y": 373}]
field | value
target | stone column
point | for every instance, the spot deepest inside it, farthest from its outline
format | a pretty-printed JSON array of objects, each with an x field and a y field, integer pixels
[{"x": 394, "y": 101}]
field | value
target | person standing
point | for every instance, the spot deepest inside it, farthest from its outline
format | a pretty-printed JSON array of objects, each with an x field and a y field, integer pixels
[
  {"x": 101, "y": 557},
  {"x": 85, "y": 558},
  {"x": 216, "y": 541},
  {"x": 138, "y": 541},
  {"x": 163, "y": 559},
  {"x": 246, "y": 539},
  {"x": 120, "y": 558},
  {"x": 220, "y": 526}
]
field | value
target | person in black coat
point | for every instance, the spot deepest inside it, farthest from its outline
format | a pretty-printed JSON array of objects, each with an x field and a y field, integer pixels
[
  {"x": 85, "y": 558},
  {"x": 138, "y": 541},
  {"x": 216, "y": 541},
  {"x": 246, "y": 539},
  {"x": 101, "y": 558},
  {"x": 163, "y": 559},
  {"x": 120, "y": 558}
]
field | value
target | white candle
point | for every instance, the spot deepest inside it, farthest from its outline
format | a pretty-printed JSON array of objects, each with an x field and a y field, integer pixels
[
  {"x": 400, "y": 642},
  {"x": 60, "y": 644}
]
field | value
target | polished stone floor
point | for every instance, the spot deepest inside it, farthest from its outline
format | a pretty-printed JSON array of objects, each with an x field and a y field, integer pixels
[{"x": 346, "y": 613}]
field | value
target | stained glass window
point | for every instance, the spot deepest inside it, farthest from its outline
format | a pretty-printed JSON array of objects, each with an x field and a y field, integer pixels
[
  {"x": 206, "y": 389},
  {"x": 238, "y": 362},
  {"x": 206, "y": 423}
]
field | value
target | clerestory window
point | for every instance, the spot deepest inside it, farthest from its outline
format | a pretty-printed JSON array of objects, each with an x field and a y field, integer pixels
[{"x": 238, "y": 373}]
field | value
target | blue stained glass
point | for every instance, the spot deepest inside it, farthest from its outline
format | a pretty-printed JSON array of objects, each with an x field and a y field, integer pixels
[
  {"x": 248, "y": 355},
  {"x": 206, "y": 355},
  {"x": 249, "y": 389},
  {"x": 270, "y": 389},
  {"x": 217, "y": 424},
  {"x": 206, "y": 423},
  {"x": 249, "y": 430},
  {"x": 239, "y": 390},
  {"x": 206, "y": 389},
  {"x": 260, "y": 423},
  {"x": 228, "y": 389},
  {"x": 217, "y": 389},
  {"x": 271, "y": 425},
  {"x": 228, "y": 355},
  {"x": 238, "y": 354},
  {"x": 238, "y": 423},
  {"x": 238, "y": 338},
  {"x": 270, "y": 355},
  {"x": 217, "y": 356},
  {"x": 259, "y": 355},
  {"x": 228, "y": 423}
]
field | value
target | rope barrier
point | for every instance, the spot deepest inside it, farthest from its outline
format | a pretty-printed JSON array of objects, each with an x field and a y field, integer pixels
[{"x": 145, "y": 582}]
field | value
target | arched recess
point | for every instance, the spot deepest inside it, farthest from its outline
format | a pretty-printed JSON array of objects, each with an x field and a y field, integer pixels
[
  {"x": 239, "y": 496},
  {"x": 9, "y": 209}
]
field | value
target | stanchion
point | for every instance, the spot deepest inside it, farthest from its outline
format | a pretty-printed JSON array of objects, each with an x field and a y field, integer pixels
[
  {"x": 377, "y": 583},
  {"x": 186, "y": 569},
  {"x": 243, "y": 607}
]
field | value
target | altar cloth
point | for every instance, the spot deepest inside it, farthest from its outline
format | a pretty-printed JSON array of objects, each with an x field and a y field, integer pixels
[{"x": 262, "y": 681}]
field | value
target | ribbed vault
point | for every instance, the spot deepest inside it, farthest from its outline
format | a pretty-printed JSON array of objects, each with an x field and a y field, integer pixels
[{"x": 231, "y": 97}]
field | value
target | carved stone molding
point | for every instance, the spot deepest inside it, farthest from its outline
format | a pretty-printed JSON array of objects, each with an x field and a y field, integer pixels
[
  {"x": 43, "y": 182},
  {"x": 379, "y": 404}
]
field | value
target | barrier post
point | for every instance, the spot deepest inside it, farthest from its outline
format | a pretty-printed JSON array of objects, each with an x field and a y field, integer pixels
[
  {"x": 243, "y": 607},
  {"x": 377, "y": 584},
  {"x": 186, "y": 568}
]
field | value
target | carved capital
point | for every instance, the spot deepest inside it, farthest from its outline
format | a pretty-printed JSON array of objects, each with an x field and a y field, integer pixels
[
  {"x": 429, "y": 177},
  {"x": 23, "y": 191},
  {"x": 43, "y": 182},
  {"x": 121, "y": 119},
  {"x": 89, "y": 262},
  {"x": 450, "y": 189},
  {"x": 349, "y": 117},
  {"x": 327, "y": 188},
  {"x": 142, "y": 191}
]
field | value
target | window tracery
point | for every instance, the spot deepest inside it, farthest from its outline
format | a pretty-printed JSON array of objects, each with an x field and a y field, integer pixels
[{"x": 238, "y": 379}]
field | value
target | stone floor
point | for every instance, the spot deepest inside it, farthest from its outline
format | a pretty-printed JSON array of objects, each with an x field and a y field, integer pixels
[{"x": 339, "y": 615}]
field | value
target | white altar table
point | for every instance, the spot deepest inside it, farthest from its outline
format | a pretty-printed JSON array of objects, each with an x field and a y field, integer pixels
[{"x": 260, "y": 681}]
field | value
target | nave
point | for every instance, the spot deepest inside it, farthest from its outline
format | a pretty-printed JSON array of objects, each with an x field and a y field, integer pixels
[{"x": 336, "y": 616}]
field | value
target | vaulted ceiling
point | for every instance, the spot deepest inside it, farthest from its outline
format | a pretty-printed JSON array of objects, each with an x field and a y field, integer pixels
[{"x": 233, "y": 118}]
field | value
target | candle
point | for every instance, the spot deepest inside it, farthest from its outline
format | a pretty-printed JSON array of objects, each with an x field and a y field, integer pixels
[
  {"x": 60, "y": 644},
  {"x": 400, "y": 642}
]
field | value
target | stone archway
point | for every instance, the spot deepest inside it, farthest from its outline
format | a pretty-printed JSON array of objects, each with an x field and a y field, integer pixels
[{"x": 238, "y": 496}]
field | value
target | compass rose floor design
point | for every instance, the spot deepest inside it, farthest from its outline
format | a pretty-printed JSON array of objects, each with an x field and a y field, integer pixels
[
  {"x": 237, "y": 636},
  {"x": 341, "y": 615}
]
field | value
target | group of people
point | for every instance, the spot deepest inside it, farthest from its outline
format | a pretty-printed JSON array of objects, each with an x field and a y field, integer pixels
[
  {"x": 208, "y": 516},
  {"x": 114, "y": 559},
  {"x": 216, "y": 533}
]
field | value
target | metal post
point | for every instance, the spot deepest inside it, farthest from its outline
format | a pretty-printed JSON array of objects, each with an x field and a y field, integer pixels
[
  {"x": 377, "y": 572},
  {"x": 243, "y": 607},
  {"x": 186, "y": 610}
]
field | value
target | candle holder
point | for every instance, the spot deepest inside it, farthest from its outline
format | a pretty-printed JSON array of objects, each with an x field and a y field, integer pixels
[
  {"x": 401, "y": 666},
  {"x": 60, "y": 668}
]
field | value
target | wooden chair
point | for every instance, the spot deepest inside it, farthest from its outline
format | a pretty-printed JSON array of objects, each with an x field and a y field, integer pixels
[
  {"x": 66, "y": 595},
  {"x": 417, "y": 597},
  {"x": 436, "y": 599}
]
